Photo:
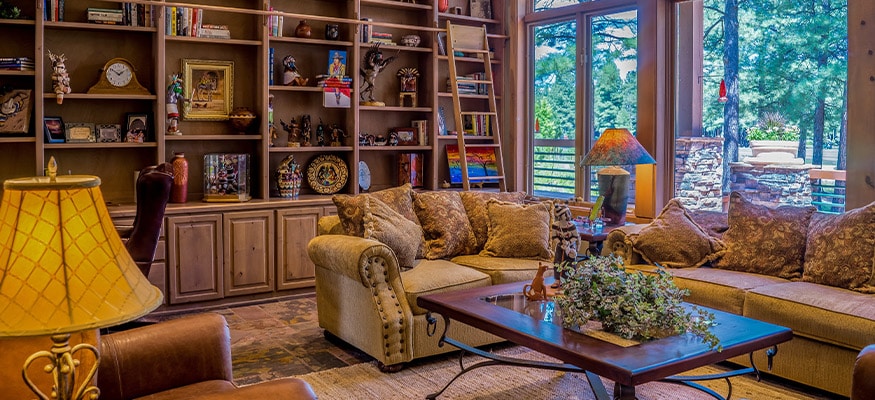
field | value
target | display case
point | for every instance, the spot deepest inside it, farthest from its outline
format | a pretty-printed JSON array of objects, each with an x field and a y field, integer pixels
[{"x": 226, "y": 177}]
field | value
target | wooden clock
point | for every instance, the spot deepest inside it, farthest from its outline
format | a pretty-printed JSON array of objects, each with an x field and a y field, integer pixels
[{"x": 118, "y": 77}]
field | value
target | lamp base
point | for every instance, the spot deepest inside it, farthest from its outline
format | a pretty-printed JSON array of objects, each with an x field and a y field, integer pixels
[
  {"x": 614, "y": 187},
  {"x": 63, "y": 366}
]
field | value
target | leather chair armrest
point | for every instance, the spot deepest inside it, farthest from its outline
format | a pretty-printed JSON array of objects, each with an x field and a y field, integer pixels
[
  {"x": 285, "y": 388},
  {"x": 863, "y": 384},
  {"x": 163, "y": 356}
]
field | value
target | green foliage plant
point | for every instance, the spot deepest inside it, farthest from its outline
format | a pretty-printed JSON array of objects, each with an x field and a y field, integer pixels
[
  {"x": 773, "y": 126},
  {"x": 630, "y": 304}
]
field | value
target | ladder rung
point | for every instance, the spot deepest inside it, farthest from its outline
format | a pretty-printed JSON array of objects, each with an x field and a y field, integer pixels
[
  {"x": 481, "y": 145},
  {"x": 481, "y": 51},
  {"x": 478, "y": 113},
  {"x": 485, "y": 178},
  {"x": 474, "y": 81}
]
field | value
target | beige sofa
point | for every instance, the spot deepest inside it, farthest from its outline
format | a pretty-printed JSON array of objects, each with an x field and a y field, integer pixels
[
  {"x": 367, "y": 297},
  {"x": 830, "y": 324}
]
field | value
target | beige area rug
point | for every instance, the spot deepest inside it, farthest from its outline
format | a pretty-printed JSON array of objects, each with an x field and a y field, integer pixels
[{"x": 365, "y": 381}]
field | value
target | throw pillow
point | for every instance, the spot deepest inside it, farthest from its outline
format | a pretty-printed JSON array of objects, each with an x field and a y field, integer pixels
[
  {"x": 765, "y": 240},
  {"x": 387, "y": 226},
  {"x": 444, "y": 223},
  {"x": 519, "y": 230},
  {"x": 715, "y": 223},
  {"x": 350, "y": 209},
  {"x": 475, "y": 208},
  {"x": 840, "y": 250},
  {"x": 673, "y": 239}
]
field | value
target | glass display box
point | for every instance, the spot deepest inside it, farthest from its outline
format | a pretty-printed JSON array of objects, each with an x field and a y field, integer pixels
[{"x": 226, "y": 177}]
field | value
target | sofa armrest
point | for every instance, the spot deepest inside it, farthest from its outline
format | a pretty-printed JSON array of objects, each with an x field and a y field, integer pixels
[
  {"x": 618, "y": 244},
  {"x": 164, "y": 356},
  {"x": 863, "y": 384},
  {"x": 364, "y": 260}
]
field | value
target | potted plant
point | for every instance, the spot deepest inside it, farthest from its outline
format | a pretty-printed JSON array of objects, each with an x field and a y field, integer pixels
[
  {"x": 772, "y": 131},
  {"x": 630, "y": 304}
]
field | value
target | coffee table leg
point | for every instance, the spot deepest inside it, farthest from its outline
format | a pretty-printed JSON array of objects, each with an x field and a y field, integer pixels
[{"x": 623, "y": 392}]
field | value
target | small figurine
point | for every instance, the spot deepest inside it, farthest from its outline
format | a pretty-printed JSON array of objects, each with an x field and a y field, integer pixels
[
  {"x": 408, "y": 77},
  {"x": 60, "y": 78},
  {"x": 291, "y": 77},
  {"x": 306, "y": 131},
  {"x": 271, "y": 127},
  {"x": 564, "y": 238},
  {"x": 536, "y": 290},
  {"x": 393, "y": 139},
  {"x": 372, "y": 64},
  {"x": 294, "y": 132},
  {"x": 174, "y": 96},
  {"x": 320, "y": 133},
  {"x": 336, "y": 134}
]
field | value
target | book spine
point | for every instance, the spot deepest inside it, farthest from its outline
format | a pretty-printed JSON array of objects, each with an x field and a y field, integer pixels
[
  {"x": 60, "y": 10},
  {"x": 194, "y": 21},
  {"x": 270, "y": 61},
  {"x": 366, "y": 31}
]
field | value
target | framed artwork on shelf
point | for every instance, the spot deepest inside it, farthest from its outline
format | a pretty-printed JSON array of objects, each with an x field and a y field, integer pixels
[
  {"x": 109, "y": 133},
  {"x": 136, "y": 127},
  {"x": 481, "y": 162},
  {"x": 53, "y": 127},
  {"x": 336, "y": 63},
  {"x": 335, "y": 97},
  {"x": 79, "y": 132},
  {"x": 406, "y": 136},
  {"x": 410, "y": 166},
  {"x": 209, "y": 85},
  {"x": 480, "y": 8},
  {"x": 15, "y": 107},
  {"x": 421, "y": 127}
]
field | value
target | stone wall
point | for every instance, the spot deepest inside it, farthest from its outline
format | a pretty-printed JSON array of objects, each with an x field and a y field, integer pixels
[
  {"x": 772, "y": 184},
  {"x": 698, "y": 175}
]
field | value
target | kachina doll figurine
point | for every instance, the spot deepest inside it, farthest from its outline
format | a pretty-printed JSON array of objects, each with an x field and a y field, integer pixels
[
  {"x": 60, "y": 78},
  {"x": 320, "y": 133},
  {"x": 174, "y": 97},
  {"x": 291, "y": 77},
  {"x": 372, "y": 64},
  {"x": 294, "y": 132},
  {"x": 306, "y": 130}
]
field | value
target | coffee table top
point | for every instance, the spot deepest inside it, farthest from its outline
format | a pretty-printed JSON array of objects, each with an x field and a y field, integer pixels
[{"x": 530, "y": 324}]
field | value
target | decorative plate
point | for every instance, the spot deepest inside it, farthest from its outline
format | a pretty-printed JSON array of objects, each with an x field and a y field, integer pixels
[
  {"x": 364, "y": 176},
  {"x": 327, "y": 174}
]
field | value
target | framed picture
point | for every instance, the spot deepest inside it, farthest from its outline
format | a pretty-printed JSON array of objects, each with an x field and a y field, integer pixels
[
  {"x": 410, "y": 166},
  {"x": 421, "y": 127},
  {"x": 109, "y": 133},
  {"x": 481, "y": 162},
  {"x": 79, "y": 132},
  {"x": 136, "y": 127},
  {"x": 209, "y": 84},
  {"x": 54, "y": 129},
  {"x": 442, "y": 121},
  {"x": 406, "y": 136},
  {"x": 480, "y": 8},
  {"x": 336, "y": 63},
  {"x": 336, "y": 97},
  {"x": 15, "y": 108}
]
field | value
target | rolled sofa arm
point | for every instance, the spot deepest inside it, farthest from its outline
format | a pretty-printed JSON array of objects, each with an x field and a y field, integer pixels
[
  {"x": 618, "y": 244},
  {"x": 365, "y": 260},
  {"x": 163, "y": 356},
  {"x": 863, "y": 384}
]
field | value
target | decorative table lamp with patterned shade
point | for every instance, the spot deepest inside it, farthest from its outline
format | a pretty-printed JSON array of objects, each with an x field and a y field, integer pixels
[
  {"x": 616, "y": 147},
  {"x": 64, "y": 269}
]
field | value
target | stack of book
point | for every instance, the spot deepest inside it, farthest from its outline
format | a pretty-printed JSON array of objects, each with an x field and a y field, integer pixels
[
  {"x": 110, "y": 16},
  {"x": 382, "y": 37},
  {"x": 130, "y": 14},
  {"x": 16, "y": 63},
  {"x": 333, "y": 81},
  {"x": 214, "y": 31},
  {"x": 188, "y": 21}
]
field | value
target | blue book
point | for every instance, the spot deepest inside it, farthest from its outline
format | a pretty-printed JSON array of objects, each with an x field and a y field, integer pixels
[{"x": 270, "y": 66}]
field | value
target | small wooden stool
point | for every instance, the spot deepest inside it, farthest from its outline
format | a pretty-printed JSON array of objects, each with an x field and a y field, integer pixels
[{"x": 412, "y": 96}]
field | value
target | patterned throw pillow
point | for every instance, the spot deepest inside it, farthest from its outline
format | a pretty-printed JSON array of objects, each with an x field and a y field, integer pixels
[
  {"x": 674, "y": 240},
  {"x": 475, "y": 207},
  {"x": 387, "y": 226},
  {"x": 519, "y": 230},
  {"x": 350, "y": 209},
  {"x": 840, "y": 250},
  {"x": 444, "y": 224},
  {"x": 765, "y": 240}
]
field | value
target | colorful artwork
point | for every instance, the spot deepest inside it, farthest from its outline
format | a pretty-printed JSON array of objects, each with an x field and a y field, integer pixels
[
  {"x": 410, "y": 169},
  {"x": 481, "y": 162},
  {"x": 336, "y": 63}
]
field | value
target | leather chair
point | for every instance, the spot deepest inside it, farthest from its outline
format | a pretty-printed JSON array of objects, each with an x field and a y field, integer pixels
[
  {"x": 863, "y": 384},
  {"x": 153, "y": 193},
  {"x": 184, "y": 358}
]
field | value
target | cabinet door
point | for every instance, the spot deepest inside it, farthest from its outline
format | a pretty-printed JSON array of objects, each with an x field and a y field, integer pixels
[
  {"x": 248, "y": 239},
  {"x": 295, "y": 228},
  {"x": 194, "y": 258}
]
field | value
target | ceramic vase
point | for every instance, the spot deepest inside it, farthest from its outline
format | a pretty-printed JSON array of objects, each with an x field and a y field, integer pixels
[
  {"x": 332, "y": 31},
  {"x": 303, "y": 29},
  {"x": 443, "y": 5},
  {"x": 179, "y": 189}
]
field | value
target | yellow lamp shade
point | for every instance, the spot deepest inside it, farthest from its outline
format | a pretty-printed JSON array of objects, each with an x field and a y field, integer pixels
[{"x": 63, "y": 267}]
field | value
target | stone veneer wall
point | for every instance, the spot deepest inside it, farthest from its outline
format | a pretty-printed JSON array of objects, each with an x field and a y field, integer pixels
[
  {"x": 698, "y": 176},
  {"x": 772, "y": 184}
]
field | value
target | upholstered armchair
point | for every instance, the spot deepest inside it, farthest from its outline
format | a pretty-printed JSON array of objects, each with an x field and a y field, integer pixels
[{"x": 863, "y": 386}]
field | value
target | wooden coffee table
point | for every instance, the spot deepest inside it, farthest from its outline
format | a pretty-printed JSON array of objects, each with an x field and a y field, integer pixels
[{"x": 503, "y": 311}]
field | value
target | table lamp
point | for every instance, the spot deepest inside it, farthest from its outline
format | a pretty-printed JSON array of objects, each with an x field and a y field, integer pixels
[
  {"x": 615, "y": 147},
  {"x": 64, "y": 269}
]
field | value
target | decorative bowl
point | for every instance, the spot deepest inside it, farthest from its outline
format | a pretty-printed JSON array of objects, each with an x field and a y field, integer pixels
[
  {"x": 242, "y": 119},
  {"x": 411, "y": 40}
]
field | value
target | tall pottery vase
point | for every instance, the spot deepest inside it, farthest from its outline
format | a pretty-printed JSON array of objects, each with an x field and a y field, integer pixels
[
  {"x": 443, "y": 5},
  {"x": 179, "y": 189}
]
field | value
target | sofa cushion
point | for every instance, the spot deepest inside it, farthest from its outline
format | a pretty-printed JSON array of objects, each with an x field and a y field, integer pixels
[
  {"x": 387, "y": 226},
  {"x": 350, "y": 209},
  {"x": 444, "y": 224},
  {"x": 674, "y": 240},
  {"x": 519, "y": 230},
  {"x": 438, "y": 276},
  {"x": 475, "y": 208},
  {"x": 841, "y": 249},
  {"x": 765, "y": 240},
  {"x": 502, "y": 270},
  {"x": 820, "y": 312}
]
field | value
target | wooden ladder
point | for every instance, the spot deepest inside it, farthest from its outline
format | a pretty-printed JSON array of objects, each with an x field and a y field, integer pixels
[{"x": 472, "y": 42}]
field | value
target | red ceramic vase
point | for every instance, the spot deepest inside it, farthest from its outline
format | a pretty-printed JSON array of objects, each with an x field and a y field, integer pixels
[
  {"x": 179, "y": 189},
  {"x": 443, "y": 5}
]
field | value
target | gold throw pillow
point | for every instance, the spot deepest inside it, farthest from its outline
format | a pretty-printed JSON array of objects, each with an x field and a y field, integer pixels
[
  {"x": 475, "y": 208},
  {"x": 444, "y": 224},
  {"x": 839, "y": 250},
  {"x": 519, "y": 230},
  {"x": 674, "y": 240},
  {"x": 387, "y": 226}
]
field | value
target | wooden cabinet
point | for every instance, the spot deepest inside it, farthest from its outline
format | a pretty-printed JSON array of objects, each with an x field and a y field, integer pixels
[
  {"x": 195, "y": 258},
  {"x": 249, "y": 247},
  {"x": 295, "y": 228}
]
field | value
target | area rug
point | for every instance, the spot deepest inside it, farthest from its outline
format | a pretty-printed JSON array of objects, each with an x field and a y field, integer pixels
[{"x": 365, "y": 381}]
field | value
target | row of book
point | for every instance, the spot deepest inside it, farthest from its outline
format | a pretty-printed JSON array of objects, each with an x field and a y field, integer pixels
[
  {"x": 466, "y": 87},
  {"x": 275, "y": 25},
  {"x": 371, "y": 36},
  {"x": 16, "y": 63},
  {"x": 476, "y": 125},
  {"x": 189, "y": 21}
]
